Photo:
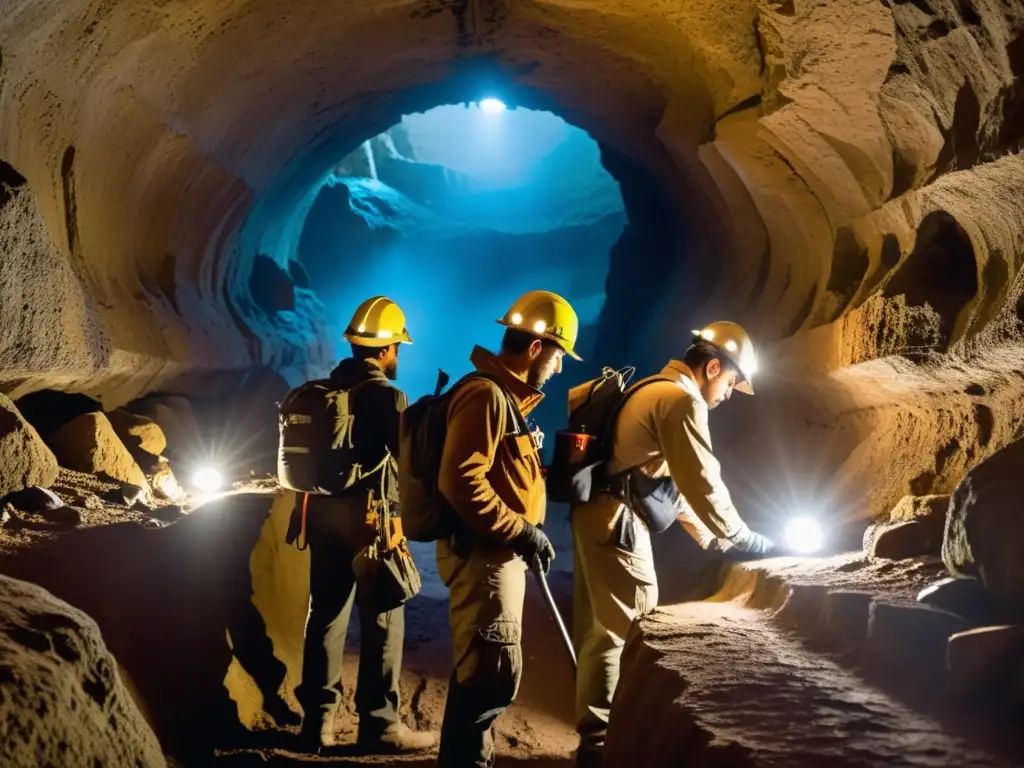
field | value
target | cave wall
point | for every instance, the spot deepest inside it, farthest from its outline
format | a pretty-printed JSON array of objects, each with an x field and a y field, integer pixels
[{"x": 805, "y": 144}]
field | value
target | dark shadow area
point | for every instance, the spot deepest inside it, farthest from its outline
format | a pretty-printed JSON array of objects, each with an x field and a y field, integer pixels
[
  {"x": 941, "y": 271},
  {"x": 849, "y": 265},
  {"x": 163, "y": 599},
  {"x": 271, "y": 286},
  {"x": 48, "y": 410}
]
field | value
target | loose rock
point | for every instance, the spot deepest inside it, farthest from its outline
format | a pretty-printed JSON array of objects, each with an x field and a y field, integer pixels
[
  {"x": 34, "y": 499},
  {"x": 165, "y": 484},
  {"x": 127, "y": 495},
  {"x": 59, "y": 684},
  {"x": 89, "y": 444},
  {"x": 25, "y": 460},
  {"x": 964, "y": 597},
  {"x": 176, "y": 419},
  {"x": 910, "y": 639},
  {"x": 984, "y": 534},
  {"x": 983, "y": 659},
  {"x": 167, "y": 514},
  {"x": 899, "y": 541},
  {"x": 139, "y": 434}
]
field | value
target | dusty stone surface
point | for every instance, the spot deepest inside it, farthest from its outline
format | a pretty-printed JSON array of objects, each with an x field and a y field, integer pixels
[
  {"x": 716, "y": 684},
  {"x": 984, "y": 531},
  {"x": 63, "y": 701},
  {"x": 926, "y": 509},
  {"x": 89, "y": 444},
  {"x": 25, "y": 460},
  {"x": 139, "y": 434}
]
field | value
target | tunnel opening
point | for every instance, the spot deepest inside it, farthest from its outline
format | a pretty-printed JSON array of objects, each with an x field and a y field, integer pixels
[
  {"x": 454, "y": 212},
  {"x": 941, "y": 272}
]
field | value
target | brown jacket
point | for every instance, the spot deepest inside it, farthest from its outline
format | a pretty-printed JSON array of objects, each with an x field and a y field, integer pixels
[{"x": 491, "y": 478}]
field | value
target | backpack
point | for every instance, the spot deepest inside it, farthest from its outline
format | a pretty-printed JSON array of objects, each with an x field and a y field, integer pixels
[
  {"x": 581, "y": 451},
  {"x": 310, "y": 459},
  {"x": 425, "y": 514}
]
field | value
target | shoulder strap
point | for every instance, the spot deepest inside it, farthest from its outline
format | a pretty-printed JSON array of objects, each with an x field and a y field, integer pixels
[{"x": 608, "y": 435}]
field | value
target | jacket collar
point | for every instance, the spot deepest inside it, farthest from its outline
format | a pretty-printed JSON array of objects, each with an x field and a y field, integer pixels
[
  {"x": 527, "y": 397},
  {"x": 679, "y": 371}
]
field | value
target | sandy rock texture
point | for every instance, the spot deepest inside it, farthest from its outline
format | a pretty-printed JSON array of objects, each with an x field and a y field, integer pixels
[
  {"x": 858, "y": 190},
  {"x": 64, "y": 702},
  {"x": 785, "y": 147},
  {"x": 90, "y": 444},
  {"x": 805, "y": 663},
  {"x": 138, "y": 433},
  {"x": 25, "y": 460}
]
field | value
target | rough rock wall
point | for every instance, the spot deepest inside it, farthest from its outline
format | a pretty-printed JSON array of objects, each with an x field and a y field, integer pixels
[
  {"x": 64, "y": 702},
  {"x": 806, "y": 143}
]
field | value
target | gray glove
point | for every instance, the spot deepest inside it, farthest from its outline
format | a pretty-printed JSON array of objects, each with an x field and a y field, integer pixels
[
  {"x": 751, "y": 543},
  {"x": 533, "y": 545}
]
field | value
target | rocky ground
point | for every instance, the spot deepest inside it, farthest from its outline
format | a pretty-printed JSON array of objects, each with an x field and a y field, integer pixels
[
  {"x": 536, "y": 731},
  {"x": 867, "y": 658}
]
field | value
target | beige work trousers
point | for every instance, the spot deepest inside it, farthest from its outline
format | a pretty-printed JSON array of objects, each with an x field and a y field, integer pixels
[
  {"x": 612, "y": 588},
  {"x": 487, "y": 589}
]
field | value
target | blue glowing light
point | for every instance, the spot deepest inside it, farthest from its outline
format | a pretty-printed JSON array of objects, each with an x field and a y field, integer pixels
[{"x": 492, "y": 106}]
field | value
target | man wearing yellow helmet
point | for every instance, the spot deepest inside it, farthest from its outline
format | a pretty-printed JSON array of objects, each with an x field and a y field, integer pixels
[
  {"x": 660, "y": 469},
  {"x": 353, "y": 460},
  {"x": 491, "y": 477}
]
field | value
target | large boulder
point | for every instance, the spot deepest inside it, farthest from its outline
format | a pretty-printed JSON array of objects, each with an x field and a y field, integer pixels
[
  {"x": 63, "y": 701},
  {"x": 138, "y": 433},
  {"x": 89, "y": 444},
  {"x": 25, "y": 460},
  {"x": 915, "y": 528},
  {"x": 176, "y": 419},
  {"x": 984, "y": 534}
]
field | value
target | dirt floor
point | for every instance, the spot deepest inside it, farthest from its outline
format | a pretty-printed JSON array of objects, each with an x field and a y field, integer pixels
[{"x": 536, "y": 731}]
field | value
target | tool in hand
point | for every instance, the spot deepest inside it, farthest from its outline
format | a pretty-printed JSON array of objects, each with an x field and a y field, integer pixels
[{"x": 538, "y": 571}]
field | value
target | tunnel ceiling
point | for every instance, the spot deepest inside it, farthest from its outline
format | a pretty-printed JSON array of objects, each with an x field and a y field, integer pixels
[{"x": 151, "y": 152}]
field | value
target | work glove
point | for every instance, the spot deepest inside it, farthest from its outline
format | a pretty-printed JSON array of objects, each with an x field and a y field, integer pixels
[
  {"x": 750, "y": 543},
  {"x": 534, "y": 546}
]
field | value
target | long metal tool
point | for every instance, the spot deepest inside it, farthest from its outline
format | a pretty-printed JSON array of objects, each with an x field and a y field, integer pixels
[{"x": 550, "y": 600}]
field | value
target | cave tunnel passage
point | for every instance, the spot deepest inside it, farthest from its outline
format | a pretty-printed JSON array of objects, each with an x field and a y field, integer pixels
[{"x": 454, "y": 212}]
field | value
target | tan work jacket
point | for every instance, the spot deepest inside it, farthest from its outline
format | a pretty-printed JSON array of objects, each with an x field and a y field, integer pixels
[
  {"x": 492, "y": 479},
  {"x": 663, "y": 431}
]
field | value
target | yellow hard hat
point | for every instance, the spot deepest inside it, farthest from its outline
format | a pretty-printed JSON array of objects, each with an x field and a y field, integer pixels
[
  {"x": 736, "y": 344},
  {"x": 377, "y": 323},
  {"x": 546, "y": 315}
]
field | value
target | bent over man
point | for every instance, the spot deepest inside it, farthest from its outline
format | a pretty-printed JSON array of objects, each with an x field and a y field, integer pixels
[
  {"x": 491, "y": 477},
  {"x": 660, "y": 456},
  {"x": 353, "y": 465}
]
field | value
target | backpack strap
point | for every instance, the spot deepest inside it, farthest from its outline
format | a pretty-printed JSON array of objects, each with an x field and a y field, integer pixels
[{"x": 608, "y": 434}]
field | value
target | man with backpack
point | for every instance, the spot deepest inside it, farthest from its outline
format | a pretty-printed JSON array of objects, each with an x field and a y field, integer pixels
[
  {"x": 339, "y": 442},
  {"x": 657, "y": 467},
  {"x": 471, "y": 480}
]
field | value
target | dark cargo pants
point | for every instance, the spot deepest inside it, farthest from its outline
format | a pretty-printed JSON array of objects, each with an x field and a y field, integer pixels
[
  {"x": 486, "y": 593},
  {"x": 337, "y": 530}
]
